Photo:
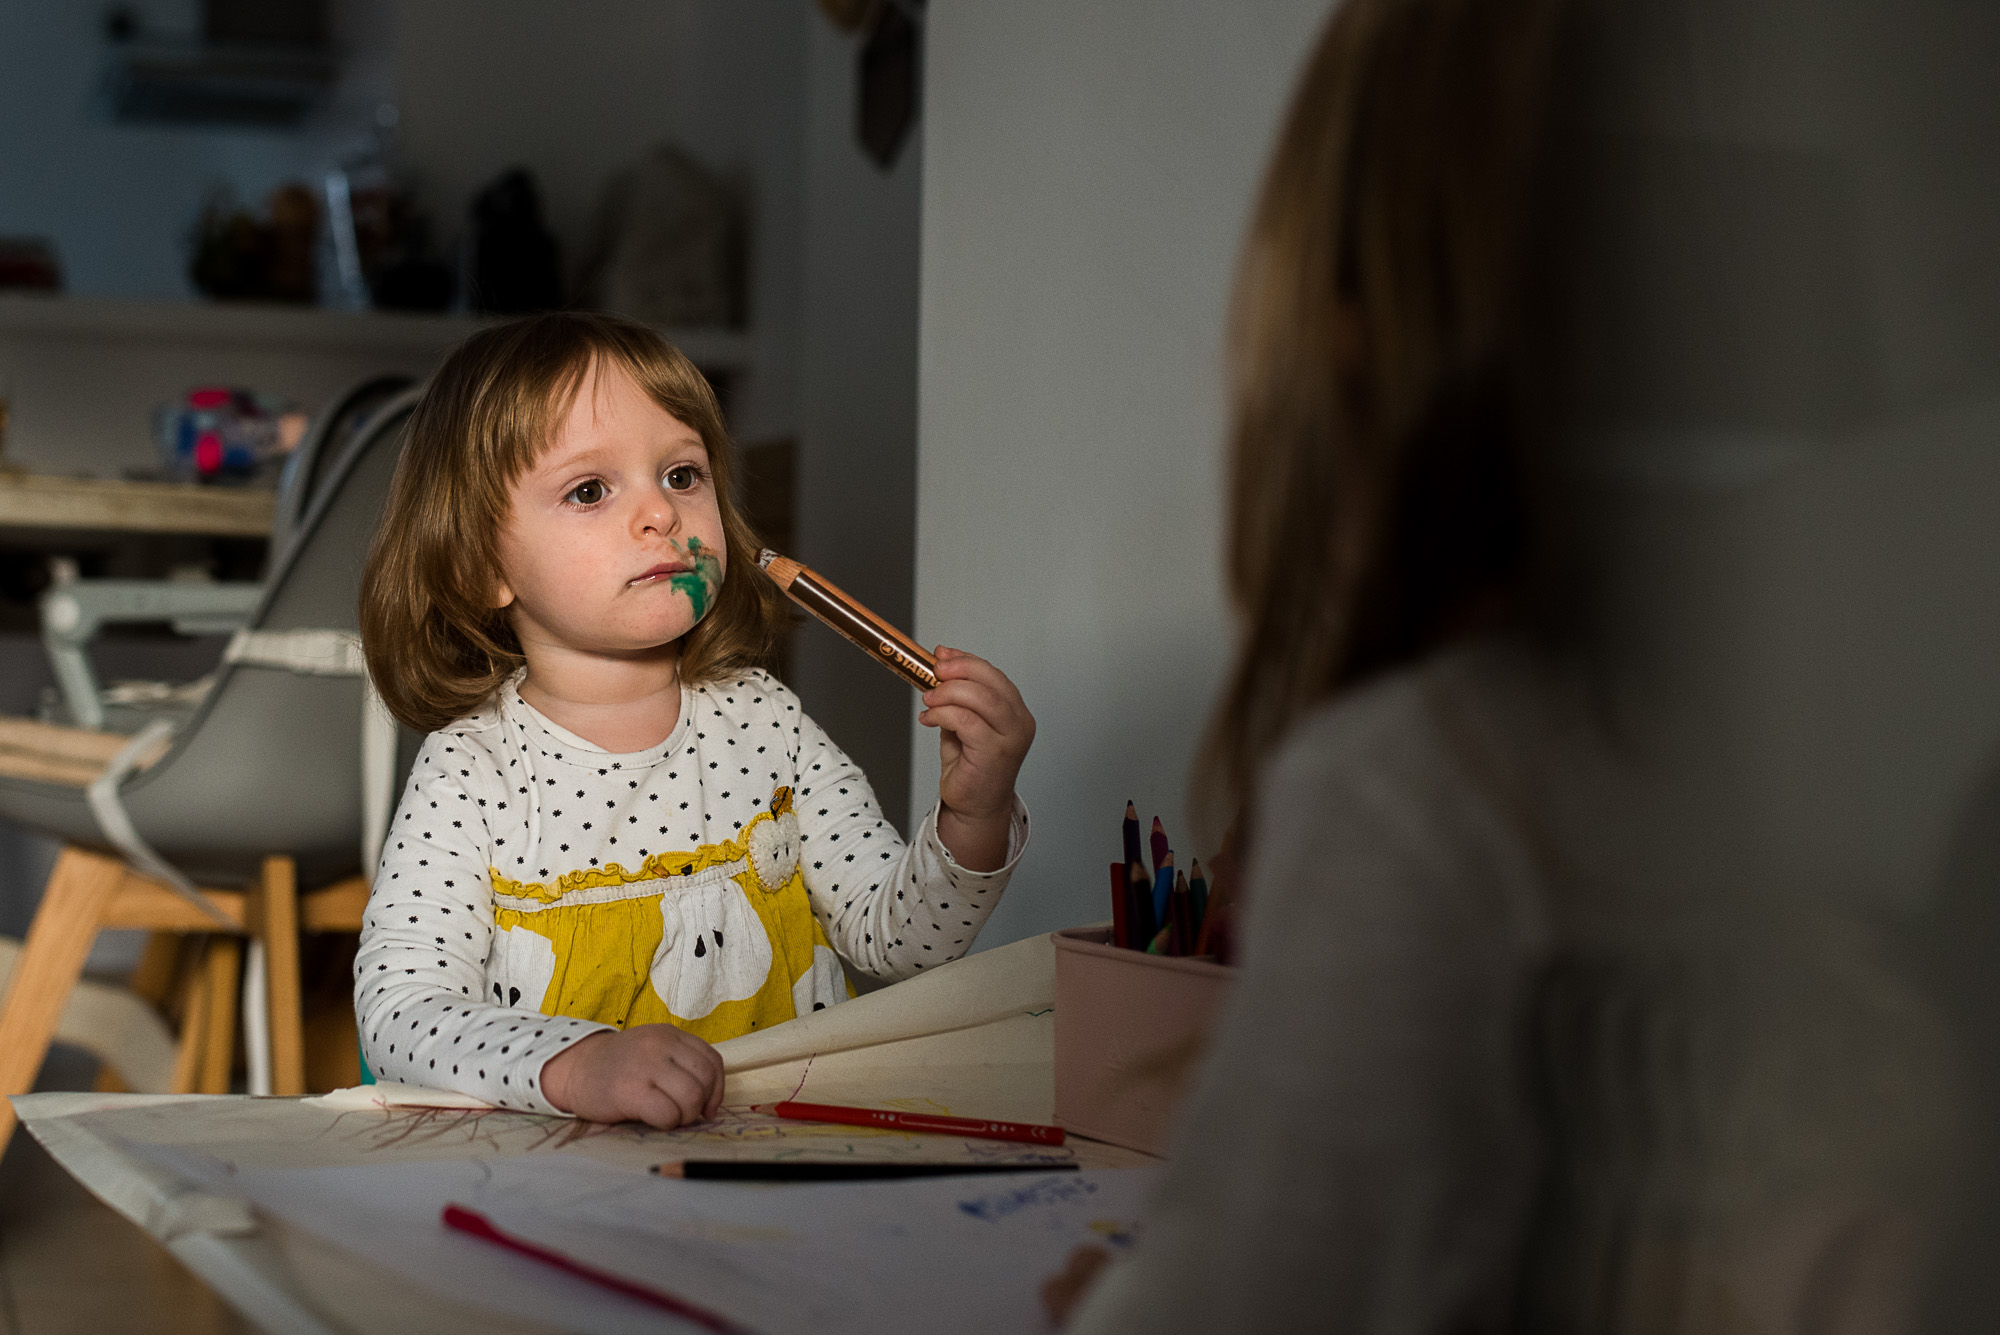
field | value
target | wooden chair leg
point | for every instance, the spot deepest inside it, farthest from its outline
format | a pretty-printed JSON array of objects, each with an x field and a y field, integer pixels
[
  {"x": 278, "y": 925},
  {"x": 159, "y": 964},
  {"x": 194, "y": 1032},
  {"x": 50, "y": 962},
  {"x": 222, "y": 969}
]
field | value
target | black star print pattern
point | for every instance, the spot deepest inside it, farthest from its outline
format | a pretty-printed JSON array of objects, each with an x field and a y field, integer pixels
[{"x": 440, "y": 1003}]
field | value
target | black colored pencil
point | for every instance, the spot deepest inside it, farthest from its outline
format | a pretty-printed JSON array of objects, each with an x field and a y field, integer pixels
[{"x": 1140, "y": 924}]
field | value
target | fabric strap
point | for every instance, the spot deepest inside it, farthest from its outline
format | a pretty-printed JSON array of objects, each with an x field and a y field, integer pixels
[{"x": 102, "y": 795}]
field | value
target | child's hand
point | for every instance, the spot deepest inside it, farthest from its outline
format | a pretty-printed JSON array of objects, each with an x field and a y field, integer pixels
[
  {"x": 984, "y": 731},
  {"x": 1061, "y": 1292},
  {"x": 652, "y": 1073}
]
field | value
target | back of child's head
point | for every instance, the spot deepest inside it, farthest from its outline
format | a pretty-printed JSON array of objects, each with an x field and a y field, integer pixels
[
  {"x": 436, "y": 645},
  {"x": 1377, "y": 498}
]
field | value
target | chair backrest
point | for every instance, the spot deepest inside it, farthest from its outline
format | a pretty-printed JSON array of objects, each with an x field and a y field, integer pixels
[
  {"x": 271, "y": 763},
  {"x": 344, "y": 416}
]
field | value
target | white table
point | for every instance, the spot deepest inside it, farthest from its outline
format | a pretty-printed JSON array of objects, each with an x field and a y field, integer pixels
[{"x": 975, "y": 1038}]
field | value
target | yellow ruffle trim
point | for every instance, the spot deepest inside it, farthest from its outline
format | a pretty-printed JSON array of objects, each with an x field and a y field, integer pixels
[{"x": 659, "y": 866}]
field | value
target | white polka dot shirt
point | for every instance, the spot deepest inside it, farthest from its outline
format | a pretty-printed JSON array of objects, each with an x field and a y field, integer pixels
[{"x": 507, "y": 794}]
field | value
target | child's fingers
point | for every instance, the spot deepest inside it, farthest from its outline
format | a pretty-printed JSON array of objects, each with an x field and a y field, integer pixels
[
  {"x": 976, "y": 696},
  {"x": 672, "y": 1044},
  {"x": 703, "y": 1063},
  {"x": 972, "y": 729},
  {"x": 956, "y": 664},
  {"x": 991, "y": 693},
  {"x": 654, "y": 1106},
  {"x": 1002, "y": 708},
  {"x": 973, "y": 695},
  {"x": 680, "y": 1088}
]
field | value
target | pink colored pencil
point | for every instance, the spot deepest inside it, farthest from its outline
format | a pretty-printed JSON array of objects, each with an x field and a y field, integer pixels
[{"x": 933, "y": 1122}]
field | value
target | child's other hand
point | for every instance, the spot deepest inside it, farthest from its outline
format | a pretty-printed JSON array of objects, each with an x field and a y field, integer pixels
[
  {"x": 651, "y": 1073},
  {"x": 984, "y": 731},
  {"x": 1061, "y": 1292}
]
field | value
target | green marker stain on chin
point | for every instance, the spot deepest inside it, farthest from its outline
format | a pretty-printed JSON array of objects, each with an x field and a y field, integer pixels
[{"x": 700, "y": 583}]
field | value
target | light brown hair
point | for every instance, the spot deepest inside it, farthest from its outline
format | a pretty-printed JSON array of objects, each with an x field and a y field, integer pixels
[
  {"x": 1377, "y": 498},
  {"x": 436, "y": 646}
]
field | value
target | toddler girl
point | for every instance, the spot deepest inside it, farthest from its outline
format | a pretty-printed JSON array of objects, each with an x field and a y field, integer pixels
[{"x": 621, "y": 842}]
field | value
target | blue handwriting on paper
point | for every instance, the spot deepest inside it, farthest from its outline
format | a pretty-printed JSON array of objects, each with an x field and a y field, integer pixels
[{"x": 1039, "y": 1196}]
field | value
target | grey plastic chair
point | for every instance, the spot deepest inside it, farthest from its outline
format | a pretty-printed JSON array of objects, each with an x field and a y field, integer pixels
[
  {"x": 351, "y": 412},
  {"x": 75, "y": 610},
  {"x": 262, "y": 789},
  {"x": 270, "y": 763}
]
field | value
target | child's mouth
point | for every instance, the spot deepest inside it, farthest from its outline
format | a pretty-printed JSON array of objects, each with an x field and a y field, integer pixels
[{"x": 658, "y": 573}]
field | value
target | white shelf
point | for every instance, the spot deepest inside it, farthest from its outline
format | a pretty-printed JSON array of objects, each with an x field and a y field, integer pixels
[{"x": 293, "y": 328}]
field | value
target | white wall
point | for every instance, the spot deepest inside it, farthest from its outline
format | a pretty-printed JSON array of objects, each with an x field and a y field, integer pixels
[
  {"x": 1088, "y": 169},
  {"x": 857, "y": 410}
]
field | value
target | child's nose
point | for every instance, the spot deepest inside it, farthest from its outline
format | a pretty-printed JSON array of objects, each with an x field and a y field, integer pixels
[{"x": 657, "y": 513}]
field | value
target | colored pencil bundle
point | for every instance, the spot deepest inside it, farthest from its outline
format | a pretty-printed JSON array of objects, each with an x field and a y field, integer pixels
[{"x": 1165, "y": 911}]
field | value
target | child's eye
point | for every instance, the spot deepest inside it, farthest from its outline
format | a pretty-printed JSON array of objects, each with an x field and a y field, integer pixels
[
  {"x": 683, "y": 477},
  {"x": 586, "y": 493}
]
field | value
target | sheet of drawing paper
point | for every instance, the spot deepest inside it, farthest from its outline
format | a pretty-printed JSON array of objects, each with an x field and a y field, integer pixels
[
  {"x": 967, "y": 1254},
  {"x": 99, "y": 1135},
  {"x": 1000, "y": 1070},
  {"x": 1017, "y": 979},
  {"x": 387, "y": 1215}
]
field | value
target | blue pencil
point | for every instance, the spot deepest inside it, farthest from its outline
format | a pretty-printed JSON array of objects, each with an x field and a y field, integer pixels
[{"x": 1163, "y": 888}]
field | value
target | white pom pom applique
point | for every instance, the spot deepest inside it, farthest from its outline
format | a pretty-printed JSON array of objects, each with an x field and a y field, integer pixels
[{"x": 774, "y": 843}]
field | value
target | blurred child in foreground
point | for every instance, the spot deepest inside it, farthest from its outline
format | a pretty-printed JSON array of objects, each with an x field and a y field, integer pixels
[{"x": 1514, "y": 1045}]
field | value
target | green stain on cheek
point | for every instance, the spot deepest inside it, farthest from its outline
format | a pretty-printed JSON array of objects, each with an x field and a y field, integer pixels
[{"x": 700, "y": 583}]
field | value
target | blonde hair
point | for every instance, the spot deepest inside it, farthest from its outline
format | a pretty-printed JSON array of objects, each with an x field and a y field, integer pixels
[
  {"x": 436, "y": 646},
  {"x": 1376, "y": 498}
]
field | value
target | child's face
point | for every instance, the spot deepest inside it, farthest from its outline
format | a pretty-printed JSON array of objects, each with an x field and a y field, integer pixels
[{"x": 613, "y": 542}]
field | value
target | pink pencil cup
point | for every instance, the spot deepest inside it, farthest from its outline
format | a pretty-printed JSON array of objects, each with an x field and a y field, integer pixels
[{"x": 1131, "y": 1032}]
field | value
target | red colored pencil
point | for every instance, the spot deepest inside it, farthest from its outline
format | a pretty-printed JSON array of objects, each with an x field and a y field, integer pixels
[
  {"x": 902, "y": 1121},
  {"x": 1117, "y": 905},
  {"x": 1159, "y": 845},
  {"x": 462, "y": 1220}
]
